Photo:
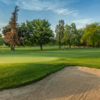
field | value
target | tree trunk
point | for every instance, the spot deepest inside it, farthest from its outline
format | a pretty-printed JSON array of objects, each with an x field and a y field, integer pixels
[
  {"x": 93, "y": 44},
  {"x": 41, "y": 47},
  {"x": 69, "y": 45},
  {"x": 12, "y": 47},
  {"x": 59, "y": 45},
  {"x": 64, "y": 46}
]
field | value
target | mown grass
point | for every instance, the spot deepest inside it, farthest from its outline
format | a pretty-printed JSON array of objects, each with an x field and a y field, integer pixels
[{"x": 29, "y": 64}]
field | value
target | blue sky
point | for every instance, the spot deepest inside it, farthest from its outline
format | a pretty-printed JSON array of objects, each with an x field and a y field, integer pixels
[{"x": 81, "y": 12}]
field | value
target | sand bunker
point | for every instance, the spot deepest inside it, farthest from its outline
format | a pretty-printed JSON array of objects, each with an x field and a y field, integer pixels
[{"x": 71, "y": 83}]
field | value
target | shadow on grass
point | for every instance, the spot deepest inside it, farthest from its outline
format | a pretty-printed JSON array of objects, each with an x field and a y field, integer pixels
[{"x": 14, "y": 75}]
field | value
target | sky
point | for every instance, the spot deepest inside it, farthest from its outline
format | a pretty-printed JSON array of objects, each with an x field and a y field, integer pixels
[{"x": 81, "y": 12}]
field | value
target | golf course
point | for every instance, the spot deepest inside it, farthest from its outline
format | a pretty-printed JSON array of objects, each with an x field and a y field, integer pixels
[
  {"x": 49, "y": 50},
  {"x": 28, "y": 64}
]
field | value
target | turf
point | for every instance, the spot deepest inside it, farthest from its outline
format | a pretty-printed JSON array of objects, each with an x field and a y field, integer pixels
[{"x": 29, "y": 64}]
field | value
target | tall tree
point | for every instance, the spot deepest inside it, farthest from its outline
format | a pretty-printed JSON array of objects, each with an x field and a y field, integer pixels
[
  {"x": 60, "y": 32},
  {"x": 70, "y": 34},
  {"x": 67, "y": 35},
  {"x": 42, "y": 33},
  {"x": 74, "y": 38},
  {"x": 11, "y": 37}
]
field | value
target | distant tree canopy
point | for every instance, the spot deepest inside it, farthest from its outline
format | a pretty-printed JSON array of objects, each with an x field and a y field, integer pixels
[
  {"x": 91, "y": 35},
  {"x": 10, "y": 32},
  {"x": 70, "y": 34},
  {"x": 39, "y": 32},
  {"x": 36, "y": 32},
  {"x": 66, "y": 34}
]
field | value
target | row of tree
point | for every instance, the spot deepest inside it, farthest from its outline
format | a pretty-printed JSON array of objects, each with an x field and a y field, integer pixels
[
  {"x": 39, "y": 32},
  {"x": 69, "y": 35}
]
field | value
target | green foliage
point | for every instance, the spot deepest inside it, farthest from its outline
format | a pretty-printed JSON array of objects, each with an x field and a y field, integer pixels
[
  {"x": 36, "y": 32},
  {"x": 1, "y": 41},
  {"x": 92, "y": 34},
  {"x": 60, "y": 32},
  {"x": 24, "y": 34},
  {"x": 70, "y": 35},
  {"x": 42, "y": 33},
  {"x": 80, "y": 33}
]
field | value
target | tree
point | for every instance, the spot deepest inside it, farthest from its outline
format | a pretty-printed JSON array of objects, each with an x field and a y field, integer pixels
[
  {"x": 11, "y": 37},
  {"x": 92, "y": 34},
  {"x": 70, "y": 34},
  {"x": 60, "y": 32},
  {"x": 80, "y": 34},
  {"x": 42, "y": 33},
  {"x": 67, "y": 35},
  {"x": 74, "y": 38},
  {"x": 24, "y": 33}
]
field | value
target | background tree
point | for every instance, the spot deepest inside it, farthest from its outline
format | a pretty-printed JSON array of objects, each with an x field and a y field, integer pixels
[
  {"x": 75, "y": 35},
  {"x": 92, "y": 34},
  {"x": 80, "y": 34},
  {"x": 42, "y": 33},
  {"x": 60, "y": 32},
  {"x": 70, "y": 34},
  {"x": 67, "y": 35},
  {"x": 0, "y": 35},
  {"x": 11, "y": 37},
  {"x": 24, "y": 33}
]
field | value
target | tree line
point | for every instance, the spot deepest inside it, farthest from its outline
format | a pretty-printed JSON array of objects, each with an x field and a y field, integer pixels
[{"x": 39, "y": 32}]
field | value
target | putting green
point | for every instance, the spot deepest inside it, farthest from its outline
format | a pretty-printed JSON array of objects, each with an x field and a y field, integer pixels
[{"x": 25, "y": 59}]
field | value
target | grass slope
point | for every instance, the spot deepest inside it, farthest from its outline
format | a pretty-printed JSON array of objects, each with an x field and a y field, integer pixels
[{"x": 29, "y": 64}]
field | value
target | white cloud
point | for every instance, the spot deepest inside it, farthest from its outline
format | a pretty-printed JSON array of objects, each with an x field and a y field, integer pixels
[
  {"x": 9, "y": 1},
  {"x": 55, "y": 6},
  {"x": 38, "y": 5},
  {"x": 83, "y": 21},
  {"x": 32, "y": 4},
  {"x": 65, "y": 11},
  {"x": 2, "y": 24}
]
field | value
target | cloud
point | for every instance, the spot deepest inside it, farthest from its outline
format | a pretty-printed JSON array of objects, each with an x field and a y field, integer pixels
[
  {"x": 55, "y": 6},
  {"x": 65, "y": 11},
  {"x": 37, "y": 5},
  {"x": 2, "y": 24},
  {"x": 82, "y": 22},
  {"x": 9, "y": 1},
  {"x": 32, "y": 4}
]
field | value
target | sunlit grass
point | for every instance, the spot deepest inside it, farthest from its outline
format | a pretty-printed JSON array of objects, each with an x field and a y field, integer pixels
[{"x": 29, "y": 64}]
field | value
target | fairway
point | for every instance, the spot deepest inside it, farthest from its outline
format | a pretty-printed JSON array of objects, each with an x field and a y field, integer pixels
[
  {"x": 25, "y": 59},
  {"x": 29, "y": 64}
]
